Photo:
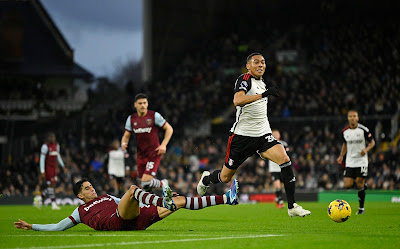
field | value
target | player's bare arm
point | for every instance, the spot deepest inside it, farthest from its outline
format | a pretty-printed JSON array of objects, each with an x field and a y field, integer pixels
[
  {"x": 162, "y": 149},
  {"x": 20, "y": 224},
  {"x": 342, "y": 153},
  {"x": 240, "y": 98},
  {"x": 368, "y": 148},
  {"x": 125, "y": 140}
]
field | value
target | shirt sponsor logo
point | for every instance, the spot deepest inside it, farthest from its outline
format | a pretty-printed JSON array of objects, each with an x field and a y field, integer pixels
[
  {"x": 97, "y": 202},
  {"x": 53, "y": 153},
  {"x": 355, "y": 141},
  {"x": 143, "y": 130}
]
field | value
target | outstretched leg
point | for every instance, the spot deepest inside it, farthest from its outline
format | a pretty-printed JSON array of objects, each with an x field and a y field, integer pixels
[{"x": 196, "y": 203}]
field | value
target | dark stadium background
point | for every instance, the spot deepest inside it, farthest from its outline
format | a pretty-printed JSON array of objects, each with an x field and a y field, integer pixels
[{"x": 325, "y": 56}]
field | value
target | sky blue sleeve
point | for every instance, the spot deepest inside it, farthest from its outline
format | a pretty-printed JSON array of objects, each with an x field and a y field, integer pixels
[
  {"x": 115, "y": 199},
  {"x": 43, "y": 152},
  {"x": 128, "y": 125},
  {"x": 60, "y": 226},
  {"x": 159, "y": 120},
  {"x": 76, "y": 216},
  {"x": 59, "y": 159}
]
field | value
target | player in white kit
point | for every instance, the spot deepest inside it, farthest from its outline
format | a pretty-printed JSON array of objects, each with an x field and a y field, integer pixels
[
  {"x": 251, "y": 133},
  {"x": 115, "y": 158},
  {"x": 355, "y": 137},
  {"x": 275, "y": 172}
]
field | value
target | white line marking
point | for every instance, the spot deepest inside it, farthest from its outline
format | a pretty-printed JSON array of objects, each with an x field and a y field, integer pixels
[
  {"x": 94, "y": 235},
  {"x": 152, "y": 242}
]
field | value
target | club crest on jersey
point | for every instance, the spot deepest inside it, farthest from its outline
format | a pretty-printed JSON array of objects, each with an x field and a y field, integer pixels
[
  {"x": 148, "y": 121},
  {"x": 230, "y": 161}
]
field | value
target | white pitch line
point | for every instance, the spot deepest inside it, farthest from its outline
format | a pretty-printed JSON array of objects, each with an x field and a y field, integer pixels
[
  {"x": 94, "y": 235},
  {"x": 151, "y": 242}
]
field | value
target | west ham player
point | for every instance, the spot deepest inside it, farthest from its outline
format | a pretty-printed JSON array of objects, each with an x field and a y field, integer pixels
[
  {"x": 144, "y": 124},
  {"x": 136, "y": 210},
  {"x": 275, "y": 171},
  {"x": 50, "y": 155},
  {"x": 251, "y": 133},
  {"x": 115, "y": 159},
  {"x": 355, "y": 137}
]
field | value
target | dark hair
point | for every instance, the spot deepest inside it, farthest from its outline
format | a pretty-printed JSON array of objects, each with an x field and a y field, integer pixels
[
  {"x": 140, "y": 96},
  {"x": 251, "y": 55},
  {"x": 352, "y": 110},
  {"x": 78, "y": 186}
]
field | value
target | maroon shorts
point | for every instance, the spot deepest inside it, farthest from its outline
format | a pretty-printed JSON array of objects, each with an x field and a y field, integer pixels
[
  {"x": 51, "y": 174},
  {"x": 148, "y": 166},
  {"x": 148, "y": 216}
]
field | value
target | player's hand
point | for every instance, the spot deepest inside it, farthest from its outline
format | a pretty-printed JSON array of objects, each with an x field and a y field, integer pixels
[
  {"x": 22, "y": 225},
  {"x": 162, "y": 149},
  {"x": 363, "y": 152},
  {"x": 273, "y": 90},
  {"x": 340, "y": 159},
  {"x": 123, "y": 146}
]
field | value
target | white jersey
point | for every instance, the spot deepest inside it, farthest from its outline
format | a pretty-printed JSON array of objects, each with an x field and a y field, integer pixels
[
  {"x": 251, "y": 118},
  {"x": 274, "y": 167},
  {"x": 356, "y": 140},
  {"x": 116, "y": 163}
]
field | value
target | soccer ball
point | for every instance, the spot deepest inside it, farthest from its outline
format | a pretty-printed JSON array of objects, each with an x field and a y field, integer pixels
[{"x": 339, "y": 210}]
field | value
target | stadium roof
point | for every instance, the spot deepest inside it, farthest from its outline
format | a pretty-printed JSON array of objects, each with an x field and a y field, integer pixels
[{"x": 31, "y": 44}]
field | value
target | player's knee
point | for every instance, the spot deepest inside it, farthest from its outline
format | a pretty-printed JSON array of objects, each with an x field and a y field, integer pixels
[
  {"x": 284, "y": 159},
  {"x": 360, "y": 185},
  {"x": 132, "y": 189},
  {"x": 347, "y": 186},
  {"x": 225, "y": 178}
]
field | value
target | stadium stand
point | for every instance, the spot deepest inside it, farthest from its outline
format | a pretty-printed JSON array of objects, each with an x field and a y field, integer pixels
[{"x": 323, "y": 70}]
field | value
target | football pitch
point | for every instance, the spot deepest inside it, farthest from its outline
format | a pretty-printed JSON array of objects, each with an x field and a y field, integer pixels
[{"x": 241, "y": 226}]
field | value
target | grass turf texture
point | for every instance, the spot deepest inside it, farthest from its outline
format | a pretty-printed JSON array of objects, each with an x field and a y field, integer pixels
[{"x": 242, "y": 226}]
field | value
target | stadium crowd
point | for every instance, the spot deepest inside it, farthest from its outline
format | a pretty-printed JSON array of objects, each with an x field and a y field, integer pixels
[{"x": 337, "y": 68}]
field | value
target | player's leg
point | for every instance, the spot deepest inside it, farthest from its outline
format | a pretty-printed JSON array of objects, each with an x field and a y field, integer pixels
[
  {"x": 277, "y": 154},
  {"x": 51, "y": 179},
  {"x": 349, "y": 176},
  {"x": 360, "y": 182},
  {"x": 239, "y": 148},
  {"x": 128, "y": 206},
  {"x": 114, "y": 184},
  {"x": 348, "y": 182},
  {"x": 278, "y": 191},
  {"x": 195, "y": 203},
  {"x": 148, "y": 179}
]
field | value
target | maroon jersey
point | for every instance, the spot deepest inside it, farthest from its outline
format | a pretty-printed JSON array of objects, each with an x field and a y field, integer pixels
[
  {"x": 146, "y": 131},
  {"x": 51, "y": 155},
  {"x": 98, "y": 212},
  {"x": 102, "y": 214}
]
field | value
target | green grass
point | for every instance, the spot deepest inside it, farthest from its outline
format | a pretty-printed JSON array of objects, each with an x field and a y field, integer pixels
[{"x": 242, "y": 226}]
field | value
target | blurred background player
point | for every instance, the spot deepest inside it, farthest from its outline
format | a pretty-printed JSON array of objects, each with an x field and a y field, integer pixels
[
  {"x": 49, "y": 156},
  {"x": 115, "y": 162},
  {"x": 144, "y": 124},
  {"x": 355, "y": 137},
  {"x": 275, "y": 171}
]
